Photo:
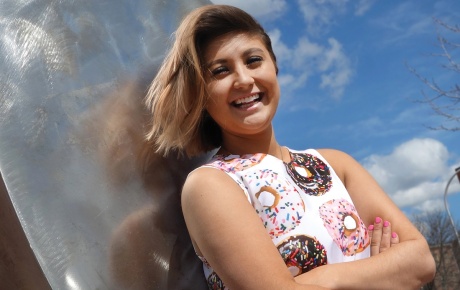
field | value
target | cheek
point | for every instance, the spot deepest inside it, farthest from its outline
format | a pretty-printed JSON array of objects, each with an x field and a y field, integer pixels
[
  {"x": 217, "y": 95},
  {"x": 213, "y": 91},
  {"x": 212, "y": 105}
]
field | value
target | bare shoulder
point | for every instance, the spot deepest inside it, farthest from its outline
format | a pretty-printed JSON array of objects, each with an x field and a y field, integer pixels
[
  {"x": 340, "y": 161},
  {"x": 349, "y": 170},
  {"x": 332, "y": 154},
  {"x": 206, "y": 188},
  {"x": 206, "y": 179}
]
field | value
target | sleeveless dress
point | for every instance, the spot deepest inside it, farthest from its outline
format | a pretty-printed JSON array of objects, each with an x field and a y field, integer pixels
[{"x": 303, "y": 205}]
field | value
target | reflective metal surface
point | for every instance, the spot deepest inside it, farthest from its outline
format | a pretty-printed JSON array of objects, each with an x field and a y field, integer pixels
[{"x": 98, "y": 212}]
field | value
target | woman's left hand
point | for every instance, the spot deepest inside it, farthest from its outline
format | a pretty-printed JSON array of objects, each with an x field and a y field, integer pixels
[{"x": 382, "y": 238}]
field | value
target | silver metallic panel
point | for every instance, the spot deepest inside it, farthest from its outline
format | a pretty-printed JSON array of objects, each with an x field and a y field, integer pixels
[{"x": 97, "y": 211}]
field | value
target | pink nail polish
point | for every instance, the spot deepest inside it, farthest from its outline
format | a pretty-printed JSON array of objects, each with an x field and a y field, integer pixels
[
  {"x": 378, "y": 220},
  {"x": 371, "y": 227},
  {"x": 394, "y": 235},
  {"x": 386, "y": 223}
]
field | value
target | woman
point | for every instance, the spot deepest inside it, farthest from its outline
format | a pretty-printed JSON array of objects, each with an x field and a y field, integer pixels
[{"x": 218, "y": 89}]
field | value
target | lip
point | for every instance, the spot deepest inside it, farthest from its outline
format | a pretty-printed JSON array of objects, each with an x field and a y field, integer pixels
[
  {"x": 233, "y": 101},
  {"x": 251, "y": 103}
]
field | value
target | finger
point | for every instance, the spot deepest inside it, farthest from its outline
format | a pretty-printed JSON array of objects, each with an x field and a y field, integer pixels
[
  {"x": 370, "y": 231},
  {"x": 394, "y": 239},
  {"x": 386, "y": 237},
  {"x": 376, "y": 236}
]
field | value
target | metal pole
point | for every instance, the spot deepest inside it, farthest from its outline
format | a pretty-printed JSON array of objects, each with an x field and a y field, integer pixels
[{"x": 457, "y": 173}]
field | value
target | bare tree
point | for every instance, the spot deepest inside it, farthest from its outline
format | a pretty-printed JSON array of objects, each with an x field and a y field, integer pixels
[
  {"x": 444, "y": 101},
  {"x": 440, "y": 235}
]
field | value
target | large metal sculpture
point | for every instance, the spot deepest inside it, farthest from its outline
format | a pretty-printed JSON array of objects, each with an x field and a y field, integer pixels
[{"x": 98, "y": 210}]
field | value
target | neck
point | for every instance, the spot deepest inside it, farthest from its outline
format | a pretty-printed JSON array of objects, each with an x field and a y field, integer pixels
[{"x": 260, "y": 143}]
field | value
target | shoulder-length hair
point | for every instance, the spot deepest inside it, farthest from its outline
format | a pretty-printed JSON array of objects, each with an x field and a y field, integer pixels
[{"x": 177, "y": 96}]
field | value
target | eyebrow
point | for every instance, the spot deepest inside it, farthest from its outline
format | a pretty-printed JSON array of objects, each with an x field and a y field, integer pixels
[{"x": 245, "y": 54}]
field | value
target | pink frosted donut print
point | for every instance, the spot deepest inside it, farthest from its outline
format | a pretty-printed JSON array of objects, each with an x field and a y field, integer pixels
[
  {"x": 344, "y": 225},
  {"x": 277, "y": 203},
  {"x": 302, "y": 253},
  {"x": 235, "y": 163},
  {"x": 310, "y": 173}
]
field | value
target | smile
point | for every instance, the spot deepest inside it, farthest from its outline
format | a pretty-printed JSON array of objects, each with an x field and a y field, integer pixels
[{"x": 247, "y": 101}]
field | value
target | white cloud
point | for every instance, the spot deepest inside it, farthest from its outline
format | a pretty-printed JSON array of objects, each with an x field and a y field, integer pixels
[
  {"x": 320, "y": 14},
  {"x": 363, "y": 6},
  {"x": 289, "y": 82},
  {"x": 337, "y": 69},
  {"x": 419, "y": 194},
  {"x": 282, "y": 51},
  {"x": 414, "y": 174},
  {"x": 306, "y": 52},
  {"x": 265, "y": 9},
  {"x": 329, "y": 62},
  {"x": 293, "y": 79},
  {"x": 404, "y": 22},
  {"x": 430, "y": 206}
]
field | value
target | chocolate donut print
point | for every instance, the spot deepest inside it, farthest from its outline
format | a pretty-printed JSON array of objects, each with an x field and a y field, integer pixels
[
  {"x": 310, "y": 173},
  {"x": 214, "y": 282},
  {"x": 302, "y": 253},
  {"x": 343, "y": 224}
]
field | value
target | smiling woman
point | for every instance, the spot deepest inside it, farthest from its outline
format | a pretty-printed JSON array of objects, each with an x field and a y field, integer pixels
[
  {"x": 261, "y": 215},
  {"x": 242, "y": 85}
]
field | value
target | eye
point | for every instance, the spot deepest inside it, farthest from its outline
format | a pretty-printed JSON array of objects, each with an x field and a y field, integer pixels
[
  {"x": 254, "y": 61},
  {"x": 218, "y": 71}
]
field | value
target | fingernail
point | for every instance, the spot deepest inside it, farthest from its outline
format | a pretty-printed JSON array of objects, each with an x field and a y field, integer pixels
[
  {"x": 378, "y": 220},
  {"x": 394, "y": 235},
  {"x": 386, "y": 223},
  {"x": 371, "y": 227}
]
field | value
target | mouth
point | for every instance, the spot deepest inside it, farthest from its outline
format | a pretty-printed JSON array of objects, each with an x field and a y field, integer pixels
[{"x": 247, "y": 102}]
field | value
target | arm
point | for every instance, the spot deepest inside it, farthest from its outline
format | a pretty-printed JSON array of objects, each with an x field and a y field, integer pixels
[
  {"x": 406, "y": 265},
  {"x": 225, "y": 228}
]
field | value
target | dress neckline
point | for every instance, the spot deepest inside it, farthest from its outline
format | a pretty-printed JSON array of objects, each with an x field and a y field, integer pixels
[{"x": 231, "y": 156}]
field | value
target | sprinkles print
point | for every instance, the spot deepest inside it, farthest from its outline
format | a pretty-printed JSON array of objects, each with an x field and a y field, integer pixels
[
  {"x": 236, "y": 163},
  {"x": 302, "y": 253},
  {"x": 215, "y": 283},
  {"x": 310, "y": 173},
  {"x": 278, "y": 204},
  {"x": 343, "y": 224}
]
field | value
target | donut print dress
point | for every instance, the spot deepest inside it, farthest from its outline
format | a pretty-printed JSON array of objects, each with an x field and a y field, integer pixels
[{"x": 304, "y": 207}]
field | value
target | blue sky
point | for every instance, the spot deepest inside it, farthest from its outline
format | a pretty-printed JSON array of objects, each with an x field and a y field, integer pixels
[{"x": 345, "y": 84}]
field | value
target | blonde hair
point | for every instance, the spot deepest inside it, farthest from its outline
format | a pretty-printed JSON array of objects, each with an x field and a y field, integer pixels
[{"x": 177, "y": 96}]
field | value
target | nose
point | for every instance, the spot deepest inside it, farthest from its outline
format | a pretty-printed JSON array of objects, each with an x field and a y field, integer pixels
[{"x": 243, "y": 78}]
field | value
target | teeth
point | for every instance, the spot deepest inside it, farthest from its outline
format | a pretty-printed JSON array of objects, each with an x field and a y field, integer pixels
[{"x": 247, "y": 99}]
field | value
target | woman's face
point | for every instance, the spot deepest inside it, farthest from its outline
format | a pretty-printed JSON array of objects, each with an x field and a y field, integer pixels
[{"x": 242, "y": 84}]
